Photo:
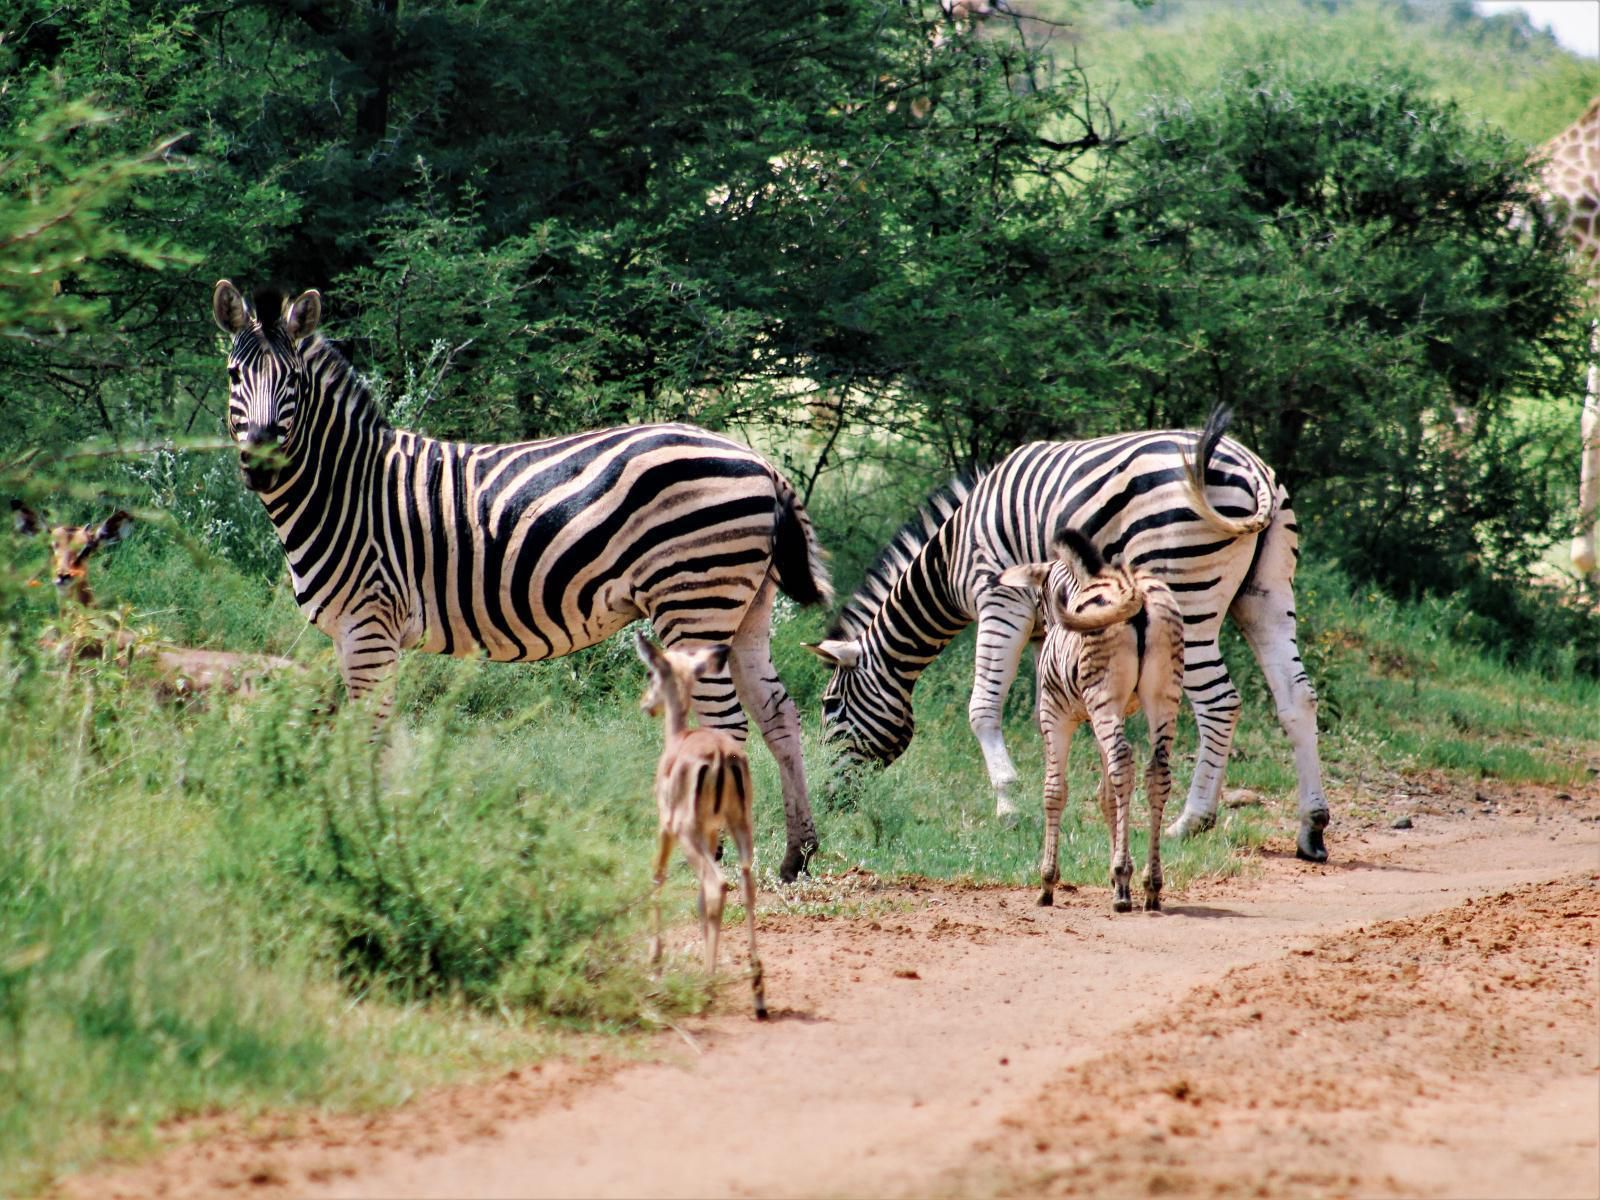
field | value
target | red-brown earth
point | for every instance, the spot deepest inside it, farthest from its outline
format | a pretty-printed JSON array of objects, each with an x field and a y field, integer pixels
[{"x": 1419, "y": 1017}]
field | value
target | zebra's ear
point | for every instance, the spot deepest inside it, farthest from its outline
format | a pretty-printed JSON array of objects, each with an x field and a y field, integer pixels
[
  {"x": 836, "y": 652},
  {"x": 27, "y": 521},
  {"x": 303, "y": 315},
  {"x": 227, "y": 307},
  {"x": 1025, "y": 575}
]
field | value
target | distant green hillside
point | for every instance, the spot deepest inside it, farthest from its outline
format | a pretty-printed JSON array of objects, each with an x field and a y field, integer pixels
[{"x": 1500, "y": 68}]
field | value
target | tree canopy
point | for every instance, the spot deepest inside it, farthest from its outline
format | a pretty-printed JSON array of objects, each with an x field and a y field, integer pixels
[{"x": 835, "y": 226}]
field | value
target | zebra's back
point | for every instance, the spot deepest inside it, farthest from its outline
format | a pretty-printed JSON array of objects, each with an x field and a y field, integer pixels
[
  {"x": 1128, "y": 494},
  {"x": 532, "y": 550}
]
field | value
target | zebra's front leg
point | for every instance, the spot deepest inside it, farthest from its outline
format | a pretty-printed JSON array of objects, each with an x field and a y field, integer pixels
[
  {"x": 367, "y": 653},
  {"x": 762, "y": 694},
  {"x": 1005, "y": 622},
  {"x": 1216, "y": 713}
]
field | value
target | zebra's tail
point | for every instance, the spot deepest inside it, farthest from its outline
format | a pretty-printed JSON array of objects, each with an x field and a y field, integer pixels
[
  {"x": 796, "y": 556},
  {"x": 1194, "y": 478}
]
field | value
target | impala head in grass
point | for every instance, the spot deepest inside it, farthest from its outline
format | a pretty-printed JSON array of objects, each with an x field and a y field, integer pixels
[
  {"x": 70, "y": 548},
  {"x": 269, "y": 384}
]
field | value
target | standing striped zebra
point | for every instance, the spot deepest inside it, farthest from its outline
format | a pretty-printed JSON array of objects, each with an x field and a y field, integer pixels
[
  {"x": 1141, "y": 499},
  {"x": 522, "y": 551}
]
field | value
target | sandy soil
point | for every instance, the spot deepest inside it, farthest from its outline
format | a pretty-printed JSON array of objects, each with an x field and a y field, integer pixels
[{"x": 1417, "y": 1018}]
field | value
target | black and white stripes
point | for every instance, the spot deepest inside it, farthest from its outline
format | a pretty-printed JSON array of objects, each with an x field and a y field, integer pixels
[
  {"x": 518, "y": 552},
  {"x": 1200, "y": 510}
]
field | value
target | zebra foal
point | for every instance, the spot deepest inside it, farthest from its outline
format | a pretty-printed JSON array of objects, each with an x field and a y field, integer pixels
[
  {"x": 1113, "y": 645},
  {"x": 702, "y": 787},
  {"x": 521, "y": 551}
]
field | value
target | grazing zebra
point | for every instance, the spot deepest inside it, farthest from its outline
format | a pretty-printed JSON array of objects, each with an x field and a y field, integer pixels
[
  {"x": 1140, "y": 499},
  {"x": 522, "y": 551},
  {"x": 1114, "y": 645}
]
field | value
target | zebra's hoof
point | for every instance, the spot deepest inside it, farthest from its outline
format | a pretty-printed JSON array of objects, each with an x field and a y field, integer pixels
[
  {"x": 1008, "y": 818},
  {"x": 1309, "y": 845},
  {"x": 1190, "y": 823},
  {"x": 1152, "y": 902},
  {"x": 1122, "y": 904},
  {"x": 1046, "y": 900}
]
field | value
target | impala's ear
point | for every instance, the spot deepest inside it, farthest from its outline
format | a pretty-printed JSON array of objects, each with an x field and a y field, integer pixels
[
  {"x": 647, "y": 651},
  {"x": 836, "y": 652},
  {"x": 227, "y": 307},
  {"x": 1025, "y": 575},
  {"x": 304, "y": 314},
  {"x": 27, "y": 521},
  {"x": 109, "y": 532}
]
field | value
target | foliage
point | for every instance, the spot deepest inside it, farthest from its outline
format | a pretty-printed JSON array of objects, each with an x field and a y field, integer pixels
[{"x": 1333, "y": 258}]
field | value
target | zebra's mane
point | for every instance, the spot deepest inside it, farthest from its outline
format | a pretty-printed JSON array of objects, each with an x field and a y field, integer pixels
[
  {"x": 267, "y": 304},
  {"x": 901, "y": 551}
]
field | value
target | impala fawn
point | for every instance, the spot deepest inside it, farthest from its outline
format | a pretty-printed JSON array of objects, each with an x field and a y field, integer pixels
[
  {"x": 702, "y": 788},
  {"x": 182, "y": 670}
]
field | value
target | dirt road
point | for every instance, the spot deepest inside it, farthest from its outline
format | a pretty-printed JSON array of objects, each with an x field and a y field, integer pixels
[{"x": 1418, "y": 1017}]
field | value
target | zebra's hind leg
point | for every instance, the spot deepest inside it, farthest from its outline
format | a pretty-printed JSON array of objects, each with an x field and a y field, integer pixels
[
  {"x": 763, "y": 695},
  {"x": 1116, "y": 796},
  {"x": 1216, "y": 713},
  {"x": 1265, "y": 615},
  {"x": 1057, "y": 730}
]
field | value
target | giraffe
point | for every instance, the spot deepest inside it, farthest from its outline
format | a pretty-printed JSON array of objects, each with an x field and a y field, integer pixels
[{"x": 1571, "y": 180}]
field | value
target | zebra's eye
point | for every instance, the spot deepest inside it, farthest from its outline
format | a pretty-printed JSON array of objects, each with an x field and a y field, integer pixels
[{"x": 233, "y": 375}]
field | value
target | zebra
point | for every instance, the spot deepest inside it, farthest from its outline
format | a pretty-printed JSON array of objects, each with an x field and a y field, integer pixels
[
  {"x": 519, "y": 551},
  {"x": 1114, "y": 645},
  {"x": 1141, "y": 498}
]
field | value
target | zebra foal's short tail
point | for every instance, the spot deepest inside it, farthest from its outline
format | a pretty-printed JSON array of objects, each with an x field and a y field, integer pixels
[{"x": 802, "y": 575}]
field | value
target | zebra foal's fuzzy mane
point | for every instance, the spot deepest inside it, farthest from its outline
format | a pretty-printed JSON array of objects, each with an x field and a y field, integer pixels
[{"x": 894, "y": 558}]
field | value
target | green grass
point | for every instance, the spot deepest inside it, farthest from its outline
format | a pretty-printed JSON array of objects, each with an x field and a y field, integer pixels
[{"x": 248, "y": 904}]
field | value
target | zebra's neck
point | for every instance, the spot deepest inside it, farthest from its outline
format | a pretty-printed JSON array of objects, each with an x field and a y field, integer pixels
[
  {"x": 923, "y": 611},
  {"x": 325, "y": 498}
]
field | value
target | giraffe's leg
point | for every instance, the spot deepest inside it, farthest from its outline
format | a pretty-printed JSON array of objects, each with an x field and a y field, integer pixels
[
  {"x": 1005, "y": 622},
  {"x": 1264, "y": 612},
  {"x": 1583, "y": 545},
  {"x": 1216, "y": 712},
  {"x": 757, "y": 685}
]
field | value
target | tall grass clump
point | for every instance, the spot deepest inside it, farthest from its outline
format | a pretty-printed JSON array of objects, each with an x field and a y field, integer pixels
[
  {"x": 192, "y": 894},
  {"x": 451, "y": 862}
]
